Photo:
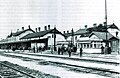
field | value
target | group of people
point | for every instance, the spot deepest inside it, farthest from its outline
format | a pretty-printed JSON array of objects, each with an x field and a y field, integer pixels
[
  {"x": 37, "y": 49},
  {"x": 106, "y": 49},
  {"x": 69, "y": 49},
  {"x": 61, "y": 49}
]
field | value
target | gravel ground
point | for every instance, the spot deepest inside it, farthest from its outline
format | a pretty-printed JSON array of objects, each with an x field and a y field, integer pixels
[{"x": 35, "y": 73}]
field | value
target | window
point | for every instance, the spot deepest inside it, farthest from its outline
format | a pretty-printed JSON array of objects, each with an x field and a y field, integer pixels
[
  {"x": 90, "y": 45},
  {"x": 84, "y": 45},
  {"x": 87, "y": 45},
  {"x": 75, "y": 37},
  {"x": 94, "y": 45},
  {"x": 114, "y": 42}
]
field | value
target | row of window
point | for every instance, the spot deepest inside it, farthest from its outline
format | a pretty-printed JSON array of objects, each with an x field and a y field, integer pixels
[{"x": 89, "y": 45}]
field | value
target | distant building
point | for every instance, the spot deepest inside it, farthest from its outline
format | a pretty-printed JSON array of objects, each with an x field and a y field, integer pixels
[
  {"x": 91, "y": 39},
  {"x": 13, "y": 40},
  {"x": 29, "y": 39},
  {"x": 47, "y": 38}
]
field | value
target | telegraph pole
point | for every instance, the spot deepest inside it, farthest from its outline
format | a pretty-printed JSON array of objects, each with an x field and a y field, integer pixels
[
  {"x": 54, "y": 38},
  {"x": 106, "y": 20},
  {"x": 72, "y": 37}
]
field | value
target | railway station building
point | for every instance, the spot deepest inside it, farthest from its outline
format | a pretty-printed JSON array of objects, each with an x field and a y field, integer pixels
[
  {"x": 91, "y": 39},
  {"x": 13, "y": 41},
  {"x": 30, "y": 39}
]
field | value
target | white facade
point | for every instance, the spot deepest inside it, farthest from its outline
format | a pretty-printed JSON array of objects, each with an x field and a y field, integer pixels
[
  {"x": 114, "y": 31},
  {"x": 116, "y": 44},
  {"x": 90, "y": 44},
  {"x": 48, "y": 40},
  {"x": 17, "y": 38},
  {"x": 50, "y": 37}
]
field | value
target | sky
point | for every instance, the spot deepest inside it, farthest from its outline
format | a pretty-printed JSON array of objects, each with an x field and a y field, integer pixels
[{"x": 62, "y": 14}]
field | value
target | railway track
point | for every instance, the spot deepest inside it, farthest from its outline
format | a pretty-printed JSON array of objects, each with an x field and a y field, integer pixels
[
  {"x": 77, "y": 59},
  {"x": 10, "y": 70},
  {"x": 71, "y": 67}
]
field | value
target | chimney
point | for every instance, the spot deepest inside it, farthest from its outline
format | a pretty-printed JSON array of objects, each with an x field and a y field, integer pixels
[
  {"x": 45, "y": 28},
  {"x": 94, "y": 24},
  {"x": 63, "y": 32},
  {"x": 38, "y": 29},
  {"x": 28, "y": 26},
  {"x": 48, "y": 27},
  {"x": 67, "y": 31},
  {"x": 22, "y": 28},
  {"x": 104, "y": 23},
  {"x": 85, "y": 26}
]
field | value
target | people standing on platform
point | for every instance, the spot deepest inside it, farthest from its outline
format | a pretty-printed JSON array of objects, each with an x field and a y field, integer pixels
[
  {"x": 109, "y": 50},
  {"x": 81, "y": 51},
  {"x": 34, "y": 49},
  {"x": 102, "y": 49},
  {"x": 106, "y": 49},
  {"x": 59, "y": 50},
  {"x": 37, "y": 49},
  {"x": 69, "y": 51},
  {"x": 62, "y": 49},
  {"x": 74, "y": 48}
]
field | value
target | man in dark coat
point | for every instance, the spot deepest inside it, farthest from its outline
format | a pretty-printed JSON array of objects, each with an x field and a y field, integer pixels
[
  {"x": 81, "y": 51},
  {"x": 62, "y": 49},
  {"x": 109, "y": 50},
  {"x": 102, "y": 49},
  {"x": 34, "y": 49},
  {"x": 69, "y": 51},
  {"x": 59, "y": 50}
]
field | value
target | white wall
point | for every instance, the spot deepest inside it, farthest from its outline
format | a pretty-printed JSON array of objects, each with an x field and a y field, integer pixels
[
  {"x": 90, "y": 50},
  {"x": 94, "y": 37},
  {"x": 59, "y": 37},
  {"x": 113, "y": 31}
]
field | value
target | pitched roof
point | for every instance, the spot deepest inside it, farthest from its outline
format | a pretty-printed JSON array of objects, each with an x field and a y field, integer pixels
[
  {"x": 113, "y": 26},
  {"x": 102, "y": 28},
  {"x": 41, "y": 33},
  {"x": 102, "y": 35},
  {"x": 99, "y": 28},
  {"x": 81, "y": 31},
  {"x": 19, "y": 32}
]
